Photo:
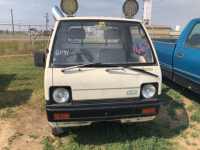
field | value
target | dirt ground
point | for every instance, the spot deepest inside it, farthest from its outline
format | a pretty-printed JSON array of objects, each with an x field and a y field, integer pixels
[
  {"x": 184, "y": 119},
  {"x": 27, "y": 123}
]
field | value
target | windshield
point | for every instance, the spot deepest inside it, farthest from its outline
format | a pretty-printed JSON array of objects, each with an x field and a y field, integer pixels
[{"x": 104, "y": 42}]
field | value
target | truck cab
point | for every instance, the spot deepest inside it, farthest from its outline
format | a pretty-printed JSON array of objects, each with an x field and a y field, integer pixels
[{"x": 99, "y": 69}]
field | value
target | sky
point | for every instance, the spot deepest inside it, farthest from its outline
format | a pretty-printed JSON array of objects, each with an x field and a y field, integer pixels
[{"x": 164, "y": 12}]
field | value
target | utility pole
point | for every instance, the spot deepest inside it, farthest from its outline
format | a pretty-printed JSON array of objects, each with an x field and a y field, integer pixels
[
  {"x": 12, "y": 22},
  {"x": 47, "y": 21},
  {"x": 30, "y": 37},
  {"x": 19, "y": 27}
]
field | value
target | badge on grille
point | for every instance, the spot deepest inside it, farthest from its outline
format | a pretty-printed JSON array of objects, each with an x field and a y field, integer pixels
[{"x": 131, "y": 92}]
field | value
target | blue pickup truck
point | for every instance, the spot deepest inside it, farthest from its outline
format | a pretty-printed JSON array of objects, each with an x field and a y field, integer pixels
[{"x": 180, "y": 59}]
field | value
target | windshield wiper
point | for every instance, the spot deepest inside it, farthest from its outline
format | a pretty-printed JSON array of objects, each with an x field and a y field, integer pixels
[
  {"x": 135, "y": 69},
  {"x": 69, "y": 68}
]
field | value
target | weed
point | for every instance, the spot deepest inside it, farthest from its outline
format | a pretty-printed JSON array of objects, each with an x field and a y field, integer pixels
[
  {"x": 6, "y": 148},
  {"x": 187, "y": 142},
  {"x": 48, "y": 143},
  {"x": 190, "y": 108},
  {"x": 13, "y": 137},
  {"x": 192, "y": 126},
  {"x": 59, "y": 143},
  {"x": 18, "y": 133},
  {"x": 8, "y": 112},
  {"x": 194, "y": 135},
  {"x": 194, "y": 144},
  {"x": 33, "y": 136},
  {"x": 195, "y": 117},
  {"x": 172, "y": 92},
  {"x": 184, "y": 134}
]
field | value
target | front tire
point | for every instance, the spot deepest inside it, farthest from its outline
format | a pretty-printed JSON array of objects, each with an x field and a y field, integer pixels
[{"x": 56, "y": 131}]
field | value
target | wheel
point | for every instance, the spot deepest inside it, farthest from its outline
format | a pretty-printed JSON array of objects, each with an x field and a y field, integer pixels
[
  {"x": 58, "y": 131},
  {"x": 140, "y": 124}
]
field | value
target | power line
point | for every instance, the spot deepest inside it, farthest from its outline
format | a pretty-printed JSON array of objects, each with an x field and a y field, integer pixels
[{"x": 23, "y": 25}]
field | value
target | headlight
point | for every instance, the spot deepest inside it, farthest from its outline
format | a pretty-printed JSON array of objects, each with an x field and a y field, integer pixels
[
  {"x": 69, "y": 7},
  {"x": 60, "y": 95},
  {"x": 148, "y": 91},
  {"x": 130, "y": 8}
]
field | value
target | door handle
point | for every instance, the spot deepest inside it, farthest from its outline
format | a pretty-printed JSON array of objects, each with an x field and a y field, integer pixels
[{"x": 179, "y": 54}]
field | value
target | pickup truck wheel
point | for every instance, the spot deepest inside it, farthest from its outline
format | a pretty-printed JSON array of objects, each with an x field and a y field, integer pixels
[
  {"x": 57, "y": 131},
  {"x": 140, "y": 124}
]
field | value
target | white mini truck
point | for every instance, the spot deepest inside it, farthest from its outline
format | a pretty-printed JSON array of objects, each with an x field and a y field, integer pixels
[{"x": 99, "y": 69}]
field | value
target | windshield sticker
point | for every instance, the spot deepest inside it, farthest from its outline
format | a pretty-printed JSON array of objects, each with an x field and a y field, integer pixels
[
  {"x": 61, "y": 52},
  {"x": 102, "y": 24},
  {"x": 140, "y": 48}
]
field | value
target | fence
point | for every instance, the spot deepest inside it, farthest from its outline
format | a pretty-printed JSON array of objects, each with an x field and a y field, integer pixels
[{"x": 31, "y": 32}]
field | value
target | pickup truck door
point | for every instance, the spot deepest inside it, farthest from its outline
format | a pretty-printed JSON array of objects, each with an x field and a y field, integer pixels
[
  {"x": 165, "y": 51},
  {"x": 186, "y": 62}
]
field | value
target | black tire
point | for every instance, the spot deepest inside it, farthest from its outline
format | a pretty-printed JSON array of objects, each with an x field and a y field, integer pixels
[
  {"x": 59, "y": 131},
  {"x": 54, "y": 131},
  {"x": 140, "y": 124}
]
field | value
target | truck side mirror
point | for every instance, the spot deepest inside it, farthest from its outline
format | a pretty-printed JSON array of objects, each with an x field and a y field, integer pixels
[{"x": 39, "y": 59}]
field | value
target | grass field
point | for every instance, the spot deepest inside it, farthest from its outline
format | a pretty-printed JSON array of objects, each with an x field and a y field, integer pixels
[
  {"x": 22, "y": 102},
  {"x": 16, "y": 47}
]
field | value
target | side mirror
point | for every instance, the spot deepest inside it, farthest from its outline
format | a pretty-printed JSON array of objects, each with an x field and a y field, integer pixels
[{"x": 39, "y": 59}]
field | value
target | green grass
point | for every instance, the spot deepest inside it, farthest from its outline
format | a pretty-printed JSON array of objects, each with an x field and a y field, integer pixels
[
  {"x": 48, "y": 143},
  {"x": 190, "y": 108},
  {"x": 167, "y": 125},
  {"x": 192, "y": 126},
  {"x": 184, "y": 134},
  {"x": 33, "y": 136},
  {"x": 20, "y": 81},
  {"x": 187, "y": 142},
  {"x": 14, "y": 47},
  {"x": 194, "y": 135},
  {"x": 22, "y": 85},
  {"x": 194, "y": 144},
  {"x": 18, "y": 133},
  {"x": 111, "y": 135},
  {"x": 8, "y": 113},
  {"x": 172, "y": 99}
]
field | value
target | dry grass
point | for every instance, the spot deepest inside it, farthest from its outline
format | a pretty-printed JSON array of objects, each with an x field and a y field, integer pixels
[{"x": 15, "y": 47}]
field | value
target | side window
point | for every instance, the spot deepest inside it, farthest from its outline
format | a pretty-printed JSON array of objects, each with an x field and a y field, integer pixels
[
  {"x": 193, "y": 40},
  {"x": 140, "y": 47}
]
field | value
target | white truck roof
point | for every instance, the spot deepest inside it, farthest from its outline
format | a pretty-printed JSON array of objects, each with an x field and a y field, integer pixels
[{"x": 99, "y": 18}]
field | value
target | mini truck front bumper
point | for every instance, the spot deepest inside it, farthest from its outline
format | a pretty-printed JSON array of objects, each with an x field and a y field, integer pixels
[{"x": 82, "y": 116}]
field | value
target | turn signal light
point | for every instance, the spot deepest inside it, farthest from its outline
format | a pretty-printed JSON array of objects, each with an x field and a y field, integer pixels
[
  {"x": 61, "y": 116},
  {"x": 149, "y": 111}
]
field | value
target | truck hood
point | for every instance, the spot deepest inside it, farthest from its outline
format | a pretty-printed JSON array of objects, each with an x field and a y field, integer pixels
[{"x": 97, "y": 83}]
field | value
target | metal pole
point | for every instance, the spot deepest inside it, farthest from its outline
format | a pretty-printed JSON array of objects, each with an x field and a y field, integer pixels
[
  {"x": 47, "y": 20},
  {"x": 30, "y": 37},
  {"x": 153, "y": 32},
  {"x": 12, "y": 22}
]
